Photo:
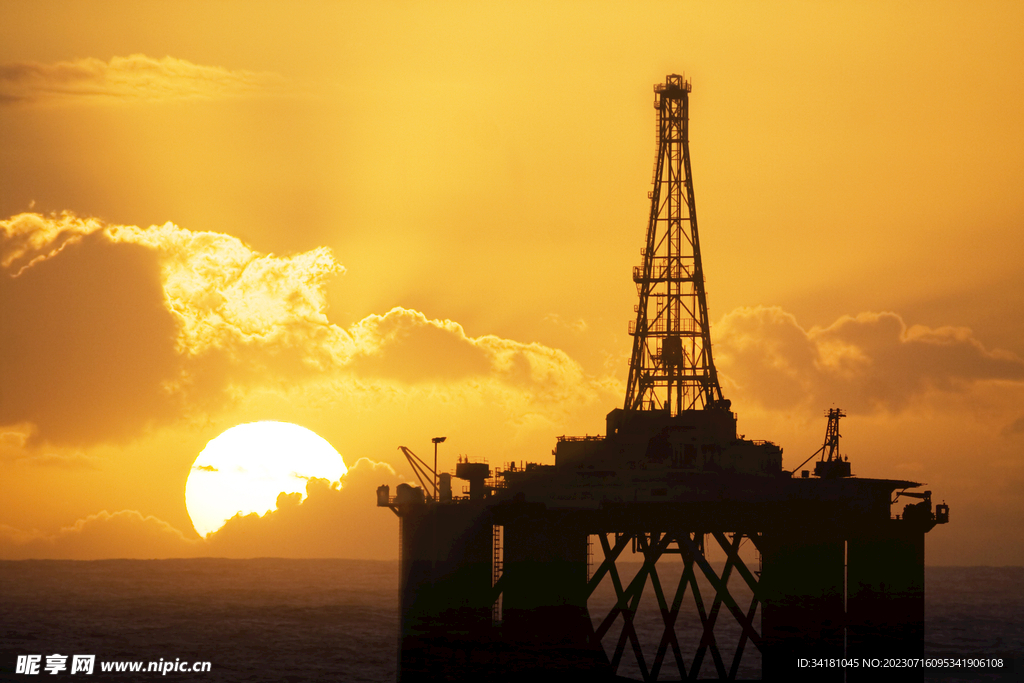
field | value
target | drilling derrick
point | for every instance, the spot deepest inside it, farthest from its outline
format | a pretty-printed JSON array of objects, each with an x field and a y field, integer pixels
[{"x": 671, "y": 367}]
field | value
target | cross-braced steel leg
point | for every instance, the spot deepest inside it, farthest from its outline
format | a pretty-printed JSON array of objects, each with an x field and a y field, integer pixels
[
  {"x": 690, "y": 548},
  {"x": 723, "y": 590},
  {"x": 732, "y": 552},
  {"x": 708, "y": 639},
  {"x": 623, "y": 605},
  {"x": 668, "y": 615}
]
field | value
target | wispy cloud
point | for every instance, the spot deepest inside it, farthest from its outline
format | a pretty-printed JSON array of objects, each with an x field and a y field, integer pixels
[
  {"x": 1015, "y": 428},
  {"x": 133, "y": 78}
]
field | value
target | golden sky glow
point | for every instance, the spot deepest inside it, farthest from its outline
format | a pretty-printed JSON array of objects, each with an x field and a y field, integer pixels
[{"x": 389, "y": 221}]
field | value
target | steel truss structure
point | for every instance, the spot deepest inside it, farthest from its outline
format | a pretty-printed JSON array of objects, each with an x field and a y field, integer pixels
[
  {"x": 690, "y": 547},
  {"x": 671, "y": 367}
]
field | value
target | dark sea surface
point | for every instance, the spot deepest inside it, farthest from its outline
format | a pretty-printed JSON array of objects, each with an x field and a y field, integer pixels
[{"x": 337, "y": 620}]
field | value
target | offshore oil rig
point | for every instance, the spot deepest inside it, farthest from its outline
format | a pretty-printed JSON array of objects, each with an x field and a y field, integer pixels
[{"x": 495, "y": 581}]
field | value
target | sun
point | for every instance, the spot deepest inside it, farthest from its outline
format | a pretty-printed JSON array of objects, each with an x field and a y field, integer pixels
[{"x": 245, "y": 469}]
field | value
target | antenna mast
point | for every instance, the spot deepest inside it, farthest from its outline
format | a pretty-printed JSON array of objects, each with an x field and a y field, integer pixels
[{"x": 671, "y": 367}]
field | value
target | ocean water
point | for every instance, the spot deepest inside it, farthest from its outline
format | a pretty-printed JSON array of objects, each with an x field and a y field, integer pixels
[
  {"x": 975, "y": 612},
  {"x": 337, "y": 620},
  {"x": 253, "y": 620}
]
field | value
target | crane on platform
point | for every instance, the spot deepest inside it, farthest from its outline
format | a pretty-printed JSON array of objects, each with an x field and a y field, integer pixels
[{"x": 831, "y": 465}]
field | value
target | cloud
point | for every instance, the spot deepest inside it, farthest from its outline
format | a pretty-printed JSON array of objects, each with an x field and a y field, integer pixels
[
  {"x": 871, "y": 362},
  {"x": 29, "y": 238},
  {"x": 108, "y": 329},
  {"x": 403, "y": 344},
  {"x": 133, "y": 78},
  {"x": 225, "y": 295},
  {"x": 406, "y": 349},
  {"x": 14, "y": 439},
  {"x": 579, "y": 325},
  {"x": 114, "y": 328},
  {"x": 123, "y": 534},
  {"x": 332, "y": 521},
  {"x": 220, "y": 291},
  {"x": 69, "y": 461},
  {"x": 547, "y": 375},
  {"x": 1015, "y": 428},
  {"x": 86, "y": 344}
]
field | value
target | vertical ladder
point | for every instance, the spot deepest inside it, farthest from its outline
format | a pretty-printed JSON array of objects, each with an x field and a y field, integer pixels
[
  {"x": 496, "y": 571},
  {"x": 590, "y": 556}
]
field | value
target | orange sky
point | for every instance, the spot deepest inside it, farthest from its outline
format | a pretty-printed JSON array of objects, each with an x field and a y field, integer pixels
[{"x": 387, "y": 222}]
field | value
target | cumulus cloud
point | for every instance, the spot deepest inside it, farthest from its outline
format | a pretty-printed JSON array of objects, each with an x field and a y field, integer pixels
[
  {"x": 224, "y": 294},
  {"x": 86, "y": 344},
  {"x": 123, "y": 534},
  {"x": 131, "y": 326},
  {"x": 333, "y": 521},
  {"x": 870, "y": 362},
  {"x": 549, "y": 375},
  {"x": 110, "y": 328},
  {"x": 133, "y": 78},
  {"x": 220, "y": 291},
  {"x": 405, "y": 345},
  {"x": 403, "y": 358}
]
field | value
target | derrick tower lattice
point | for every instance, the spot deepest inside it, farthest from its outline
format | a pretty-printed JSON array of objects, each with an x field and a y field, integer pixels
[
  {"x": 671, "y": 367},
  {"x": 830, "y": 450}
]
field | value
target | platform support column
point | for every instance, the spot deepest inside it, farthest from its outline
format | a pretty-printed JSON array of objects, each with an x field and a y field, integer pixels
[
  {"x": 802, "y": 584},
  {"x": 445, "y": 592},
  {"x": 886, "y": 594},
  {"x": 545, "y": 625}
]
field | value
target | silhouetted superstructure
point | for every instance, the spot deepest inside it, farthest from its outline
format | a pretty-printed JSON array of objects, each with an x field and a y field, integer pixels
[{"x": 497, "y": 583}]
